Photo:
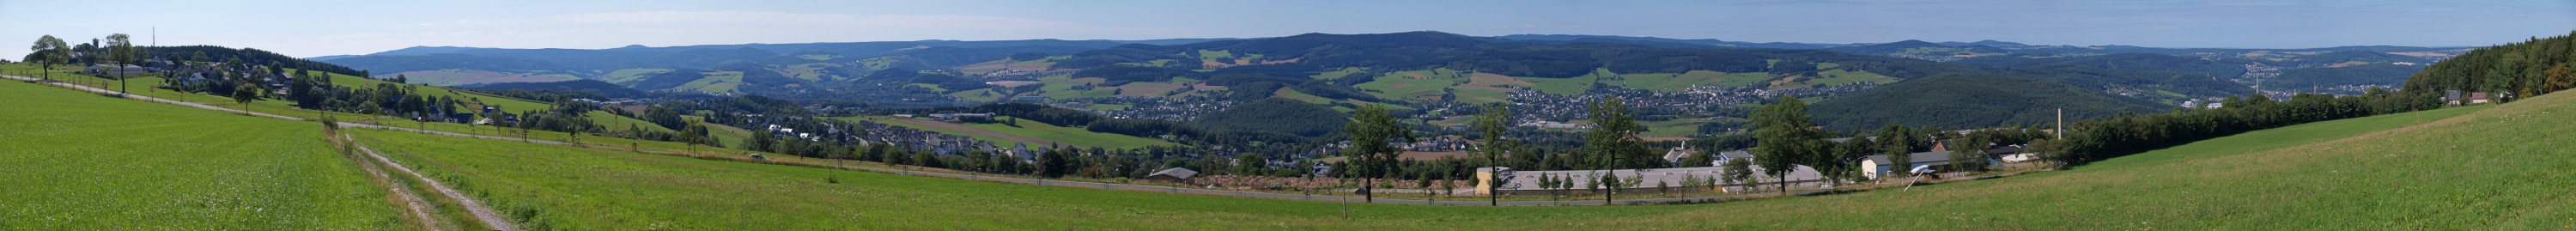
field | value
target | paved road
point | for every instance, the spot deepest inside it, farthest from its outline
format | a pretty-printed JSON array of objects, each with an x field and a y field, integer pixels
[{"x": 1040, "y": 182}]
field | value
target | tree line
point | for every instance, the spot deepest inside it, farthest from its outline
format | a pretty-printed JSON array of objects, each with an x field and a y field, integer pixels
[{"x": 2509, "y": 71}]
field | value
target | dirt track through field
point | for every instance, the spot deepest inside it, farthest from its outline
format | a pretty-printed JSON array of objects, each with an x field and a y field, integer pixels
[
  {"x": 418, "y": 207},
  {"x": 490, "y": 218}
]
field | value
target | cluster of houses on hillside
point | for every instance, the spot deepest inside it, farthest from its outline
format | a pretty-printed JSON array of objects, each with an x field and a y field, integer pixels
[
  {"x": 2456, "y": 98},
  {"x": 1688, "y": 179},
  {"x": 1180, "y": 108},
  {"x": 1448, "y": 143},
  {"x": 871, "y": 132},
  {"x": 1533, "y": 105}
]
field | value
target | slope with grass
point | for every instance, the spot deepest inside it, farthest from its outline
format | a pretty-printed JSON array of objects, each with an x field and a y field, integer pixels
[{"x": 78, "y": 161}]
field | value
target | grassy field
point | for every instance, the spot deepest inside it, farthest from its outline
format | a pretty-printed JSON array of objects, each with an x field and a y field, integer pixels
[
  {"x": 1419, "y": 85},
  {"x": 77, "y": 161},
  {"x": 1672, "y": 128},
  {"x": 142, "y": 86},
  {"x": 1299, "y": 96},
  {"x": 1561, "y": 86},
  {"x": 630, "y": 74},
  {"x": 1838, "y": 77},
  {"x": 716, "y": 82},
  {"x": 1336, "y": 74}
]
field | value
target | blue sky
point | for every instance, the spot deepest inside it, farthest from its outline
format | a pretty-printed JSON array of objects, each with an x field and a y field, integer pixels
[{"x": 315, "y": 28}]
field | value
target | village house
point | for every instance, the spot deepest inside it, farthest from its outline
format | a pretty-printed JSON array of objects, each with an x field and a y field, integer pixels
[
  {"x": 1657, "y": 180},
  {"x": 1174, "y": 175}
]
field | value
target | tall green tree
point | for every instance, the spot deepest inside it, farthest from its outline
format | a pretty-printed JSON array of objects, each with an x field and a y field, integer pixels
[
  {"x": 50, "y": 51},
  {"x": 1494, "y": 122},
  {"x": 120, "y": 48},
  {"x": 1783, "y": 137},
  {"x": 244, "y": 94},
  {"x": 1737, "y": 171},
  {"x": 1897, "y": 142},
  {"x": 1968, "y": 153},
  {"x": 1371, "y": 129},
  {"x": 1613, "y": 142}
]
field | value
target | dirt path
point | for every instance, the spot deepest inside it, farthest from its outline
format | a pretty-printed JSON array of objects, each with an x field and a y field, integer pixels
[
  {"x": 490, "y": 218},
  {"x": 412, "y": 202}
]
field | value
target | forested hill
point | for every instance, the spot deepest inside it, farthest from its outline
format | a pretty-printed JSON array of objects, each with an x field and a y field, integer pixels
[
  {"x": 1971, "y": 100},
  {"x": 2136, "y": 61},
  {"x": 2089, "y": 87},
  {"x": 2523, "y": 69},
  {"x": 245, "y": 55}
]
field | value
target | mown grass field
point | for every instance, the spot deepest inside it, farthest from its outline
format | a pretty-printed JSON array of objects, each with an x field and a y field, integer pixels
[
  {"x": 2405, "y": 171},
  {"x": 78, "y": 161},
  {"x": 715, "y": 82},
  {"x": 1423, "y": 85},
  {"x": 630, "y": 74}
]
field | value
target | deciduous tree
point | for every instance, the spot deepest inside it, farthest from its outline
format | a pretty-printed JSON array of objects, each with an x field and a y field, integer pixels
[
  {"x": 1371, "y": 129},
  {"x": 48, "y": 52},
  {"x": 1783, "y": 138}
]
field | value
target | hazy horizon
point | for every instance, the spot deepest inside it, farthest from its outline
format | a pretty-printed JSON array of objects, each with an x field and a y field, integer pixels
[{"x": 320, "y": 28}]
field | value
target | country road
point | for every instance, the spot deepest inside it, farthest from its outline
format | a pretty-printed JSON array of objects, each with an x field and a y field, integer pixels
[{"x": 1029, "y": 181}]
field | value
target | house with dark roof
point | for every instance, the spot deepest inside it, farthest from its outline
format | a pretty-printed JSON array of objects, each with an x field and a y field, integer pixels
[{"x": 1174, "y": 175}]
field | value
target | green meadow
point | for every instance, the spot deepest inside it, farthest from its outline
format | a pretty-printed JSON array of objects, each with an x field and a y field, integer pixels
[{"x": 78, "y": 161}]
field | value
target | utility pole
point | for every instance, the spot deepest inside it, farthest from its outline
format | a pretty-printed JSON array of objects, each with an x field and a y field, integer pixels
[{"x": 2061, "y": 124}]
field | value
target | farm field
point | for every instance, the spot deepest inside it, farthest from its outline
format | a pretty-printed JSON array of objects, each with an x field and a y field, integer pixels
[
  {"x": 629, "y": 75},
  {"x": 2333, "y": 174},
  {"x": 715, "y": 82},
  {"x": 78, "y": 161},
  {"x": 1420, "y": 85}
]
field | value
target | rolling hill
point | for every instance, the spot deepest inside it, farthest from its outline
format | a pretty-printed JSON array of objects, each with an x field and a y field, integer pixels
[
  {"x": 2399, "y": 171},
  {"x": 2356, "y": 173},
  {"x": 1966, "y": 100}
]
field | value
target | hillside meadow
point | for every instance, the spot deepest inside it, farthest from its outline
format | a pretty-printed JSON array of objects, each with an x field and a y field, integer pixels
[{"x": 76, "y": 161}]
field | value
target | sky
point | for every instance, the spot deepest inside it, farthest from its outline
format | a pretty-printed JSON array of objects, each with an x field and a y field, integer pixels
[{"x": 317, "y": 28}]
